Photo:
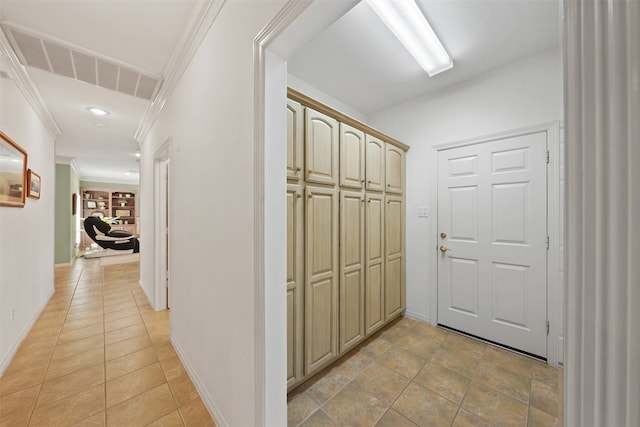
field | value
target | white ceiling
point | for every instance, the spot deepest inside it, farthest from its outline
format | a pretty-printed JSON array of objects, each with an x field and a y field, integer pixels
[
  {"x": 359, "y": 62},
  {"x": 141, "y": 34},
  {"x": 356, "y": 60}
]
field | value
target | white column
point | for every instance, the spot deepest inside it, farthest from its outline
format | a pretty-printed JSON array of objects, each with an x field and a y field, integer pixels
[{"x": 602, "y": 104}]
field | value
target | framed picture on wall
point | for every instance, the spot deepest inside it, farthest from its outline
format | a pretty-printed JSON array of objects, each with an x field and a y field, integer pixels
[
  {"x": 13, "y": 173},
  {"x": 34, "y": 184}
]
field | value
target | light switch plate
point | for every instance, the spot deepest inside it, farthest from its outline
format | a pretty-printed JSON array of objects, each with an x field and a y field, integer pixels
[{"x": 423, "y": 212}]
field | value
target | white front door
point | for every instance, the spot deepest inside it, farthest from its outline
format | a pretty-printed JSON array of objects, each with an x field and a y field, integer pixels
[{"x": 492, "y": 241}]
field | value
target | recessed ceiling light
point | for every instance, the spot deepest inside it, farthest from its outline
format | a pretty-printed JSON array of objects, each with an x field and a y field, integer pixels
[
  {"x": 99, "y": 125},
  {"x": 98, "y": 111}
]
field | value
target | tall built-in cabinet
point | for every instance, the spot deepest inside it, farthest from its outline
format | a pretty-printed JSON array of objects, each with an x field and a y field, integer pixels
[{"x": 345, "y": 234}]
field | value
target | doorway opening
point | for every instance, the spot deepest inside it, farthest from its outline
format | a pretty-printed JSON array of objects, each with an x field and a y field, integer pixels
[{"x": 162, "y": 227}]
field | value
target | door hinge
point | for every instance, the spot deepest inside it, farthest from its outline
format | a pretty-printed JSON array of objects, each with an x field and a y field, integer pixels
[
  {"x": 547, "y": 242},
  {"x": 547, "y": 328},
  {"x": 547, "y": 157}
]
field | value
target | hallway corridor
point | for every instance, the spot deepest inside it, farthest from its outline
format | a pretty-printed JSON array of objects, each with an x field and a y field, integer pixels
[{"x": 99, "y": 356}]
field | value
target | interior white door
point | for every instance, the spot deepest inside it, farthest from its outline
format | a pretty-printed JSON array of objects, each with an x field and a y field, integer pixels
[{"x": 492, "y": 241}]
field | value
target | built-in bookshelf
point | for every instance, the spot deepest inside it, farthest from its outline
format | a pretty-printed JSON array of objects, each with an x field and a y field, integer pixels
[{"x": 119, "y": 206}]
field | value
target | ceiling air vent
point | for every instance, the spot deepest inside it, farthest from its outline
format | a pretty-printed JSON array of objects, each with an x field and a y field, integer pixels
[{"x": 70, "y": 61}]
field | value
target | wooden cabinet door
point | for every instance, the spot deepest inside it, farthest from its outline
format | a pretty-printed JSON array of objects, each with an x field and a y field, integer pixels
[
  {"x": 295, "y": 287},
  {"x": 394, "y": 257},
  {"x": 321, "y": 148},
  {"x": 375, "y": 155},
  {"x": 351, "y": 269},
  {"x": 295, "y": 140},
  {"x": 351, "y": 157},
  {"x": 374, "y": 263},
  {"x": 321, "y": 277},
  {"x": 394, "y": 166}
]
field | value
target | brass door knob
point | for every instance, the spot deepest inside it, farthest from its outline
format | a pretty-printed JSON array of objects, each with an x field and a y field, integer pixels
[{"x": 444, "y": 249}]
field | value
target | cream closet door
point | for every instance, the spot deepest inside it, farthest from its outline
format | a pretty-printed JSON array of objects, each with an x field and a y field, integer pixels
[
  {"x": 375, "y": 154},
  {"x": 321, "y": 277},
  {"x": 295, "y": 287},
  {"x": 394, "y": 299},
  {"x": 394, "y": 169},
  {"x": 321, "y": 148},
  {"x": 493, "y": 257},
  {"x": 352, "y": 149},
  {"x": 295, "y": 139},
  {"x": 351, "y": 269},
  {"x": 374, "y": 255}
]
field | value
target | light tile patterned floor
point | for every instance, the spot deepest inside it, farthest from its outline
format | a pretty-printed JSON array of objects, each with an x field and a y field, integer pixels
[
  {"x": 99, "y": 355},
  {"x": 412, "y": 374}
]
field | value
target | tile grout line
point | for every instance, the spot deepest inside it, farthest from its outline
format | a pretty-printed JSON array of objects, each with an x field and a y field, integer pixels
[
  {"x": 416, "y": 374},
  {"x": 153, "y": 345},
  {"x": 68, "y": 307},
  {"x": 104, "y": 349}
]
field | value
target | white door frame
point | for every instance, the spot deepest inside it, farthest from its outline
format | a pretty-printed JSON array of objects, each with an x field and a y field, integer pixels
[
  {"x": 160, "y": 206},
  {"x": 554, "y": 308}
]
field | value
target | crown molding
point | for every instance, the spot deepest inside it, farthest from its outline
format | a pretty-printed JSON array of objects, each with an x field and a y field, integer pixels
[
  {"x": 18, "y": 74},
  {"x": 201, "y": 17},
  {"x": 76, "y": 168},
  {"x": 64, "y": 160}
]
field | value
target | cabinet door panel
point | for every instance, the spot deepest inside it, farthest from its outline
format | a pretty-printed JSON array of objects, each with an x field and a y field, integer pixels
[
  {"x": 295, "y": 288},
  {"x": 321, "y": 324},
  {"x": 291, "y": 341},
  {"x": 321, "y": 277},
  {"x": 351, "y": 269},
  {"x": 295, "y": 139},
  {"x": 374, "y": 281},
  {"x": 394, "y": 257},
  {"x": 375, "y": 156},
  {"x": 321, "y": 148},
  {"x": 352, "y": 150},
  {"x": 375, "y": 298},
  {"x": 394, "y": 166}
]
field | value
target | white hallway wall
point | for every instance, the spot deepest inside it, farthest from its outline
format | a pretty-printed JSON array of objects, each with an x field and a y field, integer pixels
[
  {"x": 519, "y": 95},
  {"x": 209, "y": 118},
  {"x": 26, "y": 234}
]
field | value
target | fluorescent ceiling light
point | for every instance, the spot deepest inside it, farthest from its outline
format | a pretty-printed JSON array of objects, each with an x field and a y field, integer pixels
[
  {"x": 98, "y": 111},
  {"x": 405, "y": 19}
]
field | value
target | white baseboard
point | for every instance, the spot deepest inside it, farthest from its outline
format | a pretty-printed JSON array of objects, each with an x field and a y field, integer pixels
[
  {"x": 197, "y": 382},
  {"x": 4, "y": 364},
  {"x": 63, "y": 264},
  {"x": 150, "y": 299},
  {"x": 560, "y": 351},
  {"x": 416, "y": 316},
  {"x": 119, "y": 259}
]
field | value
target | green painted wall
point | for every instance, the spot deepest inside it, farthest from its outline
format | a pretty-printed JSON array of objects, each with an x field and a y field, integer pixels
[
  {"x": 74, "y": 187},
  {"x": 66, "y": 224}
]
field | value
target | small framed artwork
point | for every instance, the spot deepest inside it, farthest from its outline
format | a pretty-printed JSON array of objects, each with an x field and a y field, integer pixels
[
  {"x": 74, "y": 203},
  {"x": 34, "y": 184},
  {"x": 123, "y": 212},
  {"x": 91, "y": 204},
  {"x": 13, "y": 173}
]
